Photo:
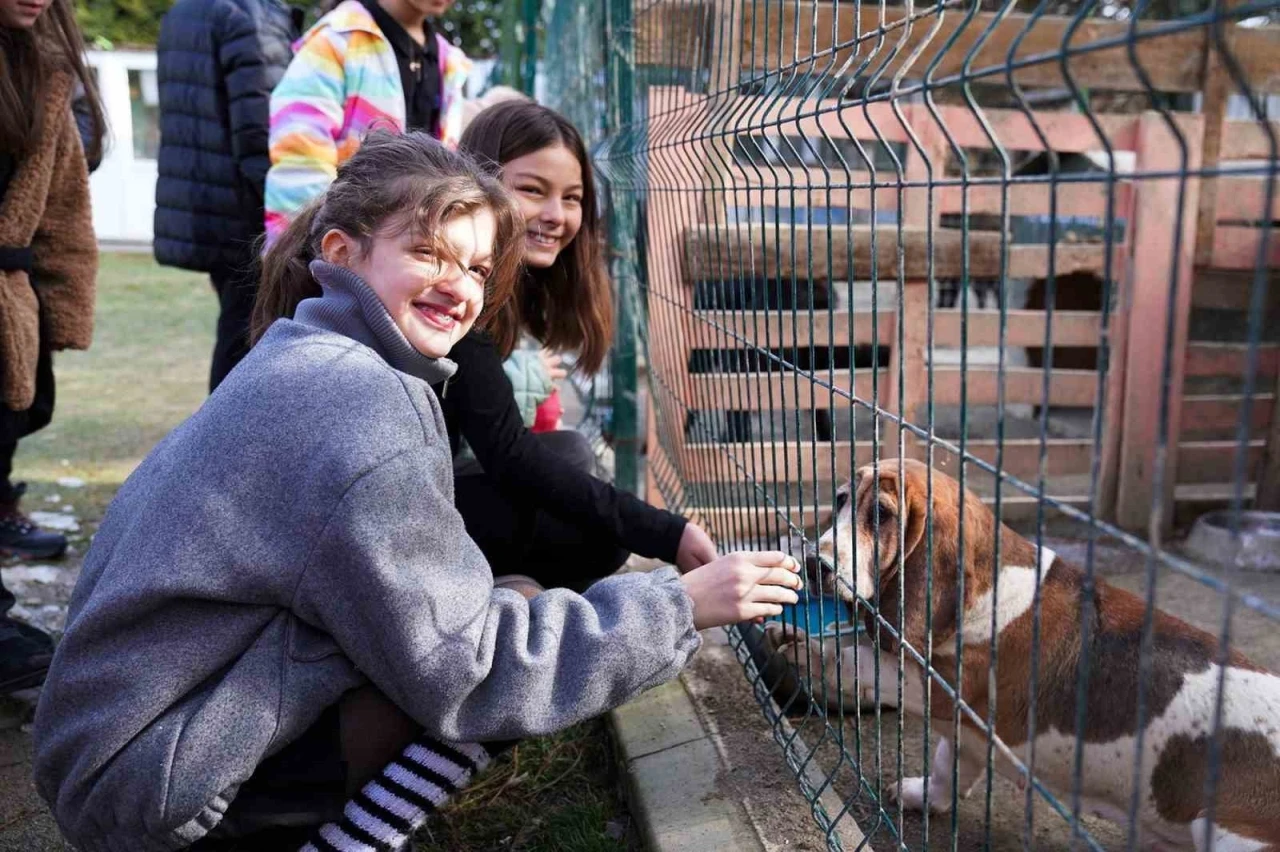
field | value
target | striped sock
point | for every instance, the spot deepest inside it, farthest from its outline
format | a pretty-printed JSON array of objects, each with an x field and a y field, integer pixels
[{"x": 391, "y": 807}]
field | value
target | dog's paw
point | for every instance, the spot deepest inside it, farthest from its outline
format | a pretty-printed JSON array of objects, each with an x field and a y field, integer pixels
[
  {"x": 778, "y": 635},
  {"x": 910, "y": 792},
  {"x": 869, "y": 698}
]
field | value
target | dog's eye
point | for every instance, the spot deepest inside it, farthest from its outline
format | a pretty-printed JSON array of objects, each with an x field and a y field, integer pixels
[
  {"x": 883, "y": 512},
  {"x": 842, "y": 500}
]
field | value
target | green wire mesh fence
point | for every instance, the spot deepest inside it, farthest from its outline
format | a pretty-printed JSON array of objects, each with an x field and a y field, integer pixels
[{"x": 1028, "y": 246}]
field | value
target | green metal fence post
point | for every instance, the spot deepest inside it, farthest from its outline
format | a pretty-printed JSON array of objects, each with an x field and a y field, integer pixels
[
  {"x": 620, "y": 76},
  {"x": 529, "y": 70}
]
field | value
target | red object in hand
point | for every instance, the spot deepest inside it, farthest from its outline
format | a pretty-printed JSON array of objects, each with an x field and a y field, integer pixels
[{"x": 548, "y": 414}]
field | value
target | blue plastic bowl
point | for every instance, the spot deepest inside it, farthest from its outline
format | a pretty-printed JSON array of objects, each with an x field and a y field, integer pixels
[{"x": 818, "y": 614}]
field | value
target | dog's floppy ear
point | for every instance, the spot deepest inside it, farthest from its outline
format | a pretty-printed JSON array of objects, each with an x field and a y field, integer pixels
[
  {"x": 912, "y": 507},
  {"x": 915, "y": 561},
  {"x": 915, "y": 515}
]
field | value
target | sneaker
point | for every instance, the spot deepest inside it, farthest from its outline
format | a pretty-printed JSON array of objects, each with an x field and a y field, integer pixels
[
  {"x": 25, "y": 655},
  {"x": 22, "y": 538}
]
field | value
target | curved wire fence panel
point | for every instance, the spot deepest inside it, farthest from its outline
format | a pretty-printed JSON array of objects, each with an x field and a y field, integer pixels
[
  {"x": 968, "y": 305},
  {"x": 587, "y": 73}
]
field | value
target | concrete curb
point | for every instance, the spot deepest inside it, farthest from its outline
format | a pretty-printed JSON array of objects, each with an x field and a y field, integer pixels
[
  {"x": 672, "y": 768},
  {"x": 673, "y": 758}
]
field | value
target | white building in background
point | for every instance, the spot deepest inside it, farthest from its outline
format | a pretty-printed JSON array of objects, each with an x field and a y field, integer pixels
[{"x": 123, "y": 189}]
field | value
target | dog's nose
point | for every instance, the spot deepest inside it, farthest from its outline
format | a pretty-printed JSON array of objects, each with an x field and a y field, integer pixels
[{"x": 813, "y": 569}]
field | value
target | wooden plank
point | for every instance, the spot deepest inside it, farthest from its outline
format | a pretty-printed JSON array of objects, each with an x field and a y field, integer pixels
[
  {"x": 1066, "y": 132},
  {"x": 674, "y": 32},
  {"x": 767, "y": 525},
  {"x": 909, "y": 362},
  {"x": 772, "y": 329},
  {"x": 724, "y": 63},
  {"x": 1244, "y": 199},
  {"x": 1154, "y": 270},
  {"x": 1074, "y": 199},
  {"x": 1117, "y": 342},
  {"x": 1247, "y": 140},
  {"x": 798, "y": 35},
  {"x": 1268, "y": 495},
  {"x": 736, "y": 251},
  {"x": 1236, "y": 247},
  {"x": 1231, "y": 289},
  {"x": 1024, "y": 328},
  {"x": 1209, "y": 413},
  {"x": 1067, "y": 388},
  {"x": 780, "y": 188},
  {"x": 802, "y": 461},
  {"x": 813, "y": 119},
  {"x": 1229, "y": 360},
  {"x": 1215, "y": 461},
  {"x": 760, "y": 392},
  {"x": 768, "y": 329},
  {"x": 679, "y": 33},
  {"x": 669, "y": 300},
  {"x": 1214, "y": 96}
]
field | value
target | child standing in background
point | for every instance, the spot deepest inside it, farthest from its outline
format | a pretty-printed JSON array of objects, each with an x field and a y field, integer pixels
[
  {"x": 48, "y": 268},
  {"x": 366, "y": 64}
]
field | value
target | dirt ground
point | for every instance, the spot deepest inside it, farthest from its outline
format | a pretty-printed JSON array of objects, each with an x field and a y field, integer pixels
[
  {"x": 838, "y": 750},
  {"x": 758, "y": 773}
]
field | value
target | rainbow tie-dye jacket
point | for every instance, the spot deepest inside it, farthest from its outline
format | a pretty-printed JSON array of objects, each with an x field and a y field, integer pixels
[{"x": 342, "y": 83}]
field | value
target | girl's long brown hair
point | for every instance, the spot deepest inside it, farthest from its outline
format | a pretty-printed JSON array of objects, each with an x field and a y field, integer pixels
[
  {"x": 26, "y": 58},
  {"x": 569, "y": 306},
  {"x": 395, "y": 181}
]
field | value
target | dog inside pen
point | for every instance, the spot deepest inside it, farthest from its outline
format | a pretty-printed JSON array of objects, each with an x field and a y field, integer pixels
[{"x": 944, "y": 576}]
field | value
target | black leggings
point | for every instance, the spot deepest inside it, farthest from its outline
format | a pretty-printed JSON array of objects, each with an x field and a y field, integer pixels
[
  {"x": 236, "y": 288},
  {"x": 518, "y": 537}
]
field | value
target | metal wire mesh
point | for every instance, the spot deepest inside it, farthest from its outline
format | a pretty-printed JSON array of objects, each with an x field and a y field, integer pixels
[{"x": 1029, "y": 244}]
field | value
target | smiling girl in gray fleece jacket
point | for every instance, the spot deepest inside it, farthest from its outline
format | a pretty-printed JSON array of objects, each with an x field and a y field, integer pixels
[{"x": 295, "y": 542}]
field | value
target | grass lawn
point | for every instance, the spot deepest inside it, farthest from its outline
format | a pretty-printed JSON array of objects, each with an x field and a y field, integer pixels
[{"x": 146, "y": 372}]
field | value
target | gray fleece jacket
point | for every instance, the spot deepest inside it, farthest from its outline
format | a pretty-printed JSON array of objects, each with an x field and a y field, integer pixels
[{"x": 296, "y": 538}]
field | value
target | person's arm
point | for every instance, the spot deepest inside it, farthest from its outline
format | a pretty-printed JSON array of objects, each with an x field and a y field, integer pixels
[
  {"x": 84, "y": 126},
  {"x": 252, "y": 57},
  {"x": 509, "y": 453},
  {"x": 64, "y": 251},
  {"x": 306, "y": 120},
  {"x": 409, "y": 598}
]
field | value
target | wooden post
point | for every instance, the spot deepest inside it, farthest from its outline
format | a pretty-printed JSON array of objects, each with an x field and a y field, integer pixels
[
  {"x": 913, "y": 313},
  {"x": 1153, "y": 271},
  {"x": 1268, "y": 495},
  {"x": 1215, "y": 93}
]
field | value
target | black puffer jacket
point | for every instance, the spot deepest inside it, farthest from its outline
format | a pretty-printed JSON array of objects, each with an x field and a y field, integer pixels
[{"x": 218, "y": 62}]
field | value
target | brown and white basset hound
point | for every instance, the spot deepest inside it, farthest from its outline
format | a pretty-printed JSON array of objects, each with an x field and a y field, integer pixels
[{"x": 1182, "y": 679}]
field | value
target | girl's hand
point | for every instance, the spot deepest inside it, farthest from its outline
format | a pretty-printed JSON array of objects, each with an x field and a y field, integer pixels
[
  {"x": 696, "y": 549},
  {"x": 742, "y": 587},
  {"x": 552, "y": 363}
]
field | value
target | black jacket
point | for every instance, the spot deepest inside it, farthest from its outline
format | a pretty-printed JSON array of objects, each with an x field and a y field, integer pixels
[
  {"x": 476, "y": 408},
  {"x": 84, "y": 123},
  {"x": 218, "y": 62}
]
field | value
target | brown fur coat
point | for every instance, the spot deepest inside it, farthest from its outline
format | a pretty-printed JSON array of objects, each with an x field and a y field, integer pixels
[{"x": 47, "y": 207}]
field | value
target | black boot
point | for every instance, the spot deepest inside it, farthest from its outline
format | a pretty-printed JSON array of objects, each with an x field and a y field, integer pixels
[
  {"x": 20, "y": 537},
  {"x": 25, "y": 654}
]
